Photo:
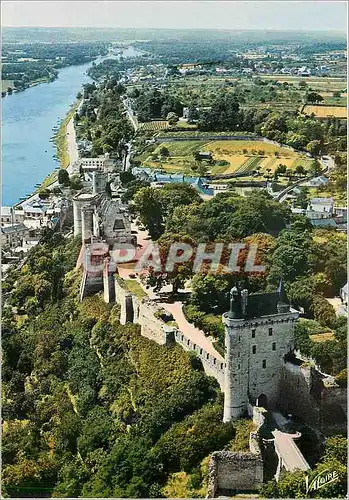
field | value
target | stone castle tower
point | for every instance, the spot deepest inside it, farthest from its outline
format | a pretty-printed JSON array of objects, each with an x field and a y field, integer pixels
[{"x": 259, "y": 331}]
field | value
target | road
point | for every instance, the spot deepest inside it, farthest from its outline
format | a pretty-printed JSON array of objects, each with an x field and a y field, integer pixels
[
  {"x": 328, "y": 164},
  {"x": 130, "y": 113},
  {"x": 71, "y": 140}
]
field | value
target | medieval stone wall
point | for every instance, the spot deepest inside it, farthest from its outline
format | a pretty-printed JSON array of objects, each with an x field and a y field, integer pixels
[
  {"x": 235, "y": 471},
  {"x": 143, "y": 312},
  {"x": 305, "y": 393},
  {"x": 213, "y": 367}
]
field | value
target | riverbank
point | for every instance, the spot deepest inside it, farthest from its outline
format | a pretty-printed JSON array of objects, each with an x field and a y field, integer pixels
[
  {"x": 63, "y": 146},
  {"x": 61, "y": 139}
]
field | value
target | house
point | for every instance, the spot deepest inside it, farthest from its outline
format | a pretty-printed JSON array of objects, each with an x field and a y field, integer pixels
[
  {"x": 205, "y": 155},
  {"x": 202, "y": 108},
  {"x": 6, "y": 215},
  {"x": 323, "y": 206},
  {"x": 35, "y": 211},
  {"x": 341, "y": 212},
  {"x": 13, "y": 234},
  {"x": 303, "y": 71},
  {"x": 102, "y": 163}
]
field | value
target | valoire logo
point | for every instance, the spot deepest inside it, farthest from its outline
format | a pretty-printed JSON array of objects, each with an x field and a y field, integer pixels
[{"x": 324, "y": 478}]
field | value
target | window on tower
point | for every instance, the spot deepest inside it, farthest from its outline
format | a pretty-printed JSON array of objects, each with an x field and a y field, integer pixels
[
  {"x": 274, "y": 346},
  {"x": 253, "y": 333},
  {"x": 264, "y": 363},
  {"x": 270, "y": 332},
  {"x": 254, "y": 349}
]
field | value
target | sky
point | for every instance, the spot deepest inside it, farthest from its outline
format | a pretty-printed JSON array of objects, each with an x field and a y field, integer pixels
[{"x": 272, "y": 15}]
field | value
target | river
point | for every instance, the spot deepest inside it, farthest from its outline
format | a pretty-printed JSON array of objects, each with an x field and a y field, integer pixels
[{"x": 28, "y": 119}]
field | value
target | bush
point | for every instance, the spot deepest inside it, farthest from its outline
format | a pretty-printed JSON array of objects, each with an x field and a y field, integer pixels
[{"x": 342, "y": 378}]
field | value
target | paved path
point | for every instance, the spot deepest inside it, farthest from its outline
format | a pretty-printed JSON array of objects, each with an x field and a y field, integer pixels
[
  {"x": 286, "y": 448},
  {"x": 130, "y": 113},
  {"x": 71, "y": 140},
  {"x": 189, "y": 330}
]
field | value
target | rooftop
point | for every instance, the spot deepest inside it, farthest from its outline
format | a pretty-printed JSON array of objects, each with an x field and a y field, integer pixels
[
  {"x": 322, "y": 201},
  {"x": 13, "y": 228}
]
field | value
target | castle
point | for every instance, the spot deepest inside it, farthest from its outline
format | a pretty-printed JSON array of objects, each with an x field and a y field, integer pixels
[
  {"x": 102, "y": 221},
  {"x": 259, "y": 332}
]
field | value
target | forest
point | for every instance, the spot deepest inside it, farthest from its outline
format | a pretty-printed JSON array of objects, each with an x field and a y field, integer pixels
[{"x": 24, "y": 63}]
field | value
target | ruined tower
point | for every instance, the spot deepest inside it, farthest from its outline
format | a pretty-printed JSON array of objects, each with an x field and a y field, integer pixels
[{"x": 259, "y": 332}]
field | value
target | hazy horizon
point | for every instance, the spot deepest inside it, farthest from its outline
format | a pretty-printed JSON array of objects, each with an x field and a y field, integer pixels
[{"x": 299, "y": 16}]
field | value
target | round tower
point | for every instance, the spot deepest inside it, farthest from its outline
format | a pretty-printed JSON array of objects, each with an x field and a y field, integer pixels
[
  {"x": 237, "y": 359},
  {"x": 79, "y": 201},
  {"x": 87, "y": 223}
]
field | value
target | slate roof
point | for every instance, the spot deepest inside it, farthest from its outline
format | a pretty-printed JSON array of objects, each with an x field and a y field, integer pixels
[{"x": 12, "y": 229}]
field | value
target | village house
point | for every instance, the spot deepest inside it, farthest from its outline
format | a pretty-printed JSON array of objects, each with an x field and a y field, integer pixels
[
  {"x": 322, "y": 208},
  {"x": 13, "y": 234}
]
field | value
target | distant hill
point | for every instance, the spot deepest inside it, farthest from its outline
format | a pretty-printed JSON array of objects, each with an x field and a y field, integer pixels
[{"x": 47, "y": 35}]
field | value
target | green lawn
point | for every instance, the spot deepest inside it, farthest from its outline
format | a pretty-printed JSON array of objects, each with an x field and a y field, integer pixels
[{"x": 134, "y": 287}]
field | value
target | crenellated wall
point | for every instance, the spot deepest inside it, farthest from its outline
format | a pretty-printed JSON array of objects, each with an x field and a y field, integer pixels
[
  {"x": 145, "y": 313},
  {"x": 213, "y": 367}
]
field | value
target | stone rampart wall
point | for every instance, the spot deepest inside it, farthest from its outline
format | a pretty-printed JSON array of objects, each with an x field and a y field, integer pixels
[
  {"x": 307, "y": 394},
  {"x": 213, "y": 366},
  {"x": 143, "y": 312},
  {"x": 235, "y": 471}
]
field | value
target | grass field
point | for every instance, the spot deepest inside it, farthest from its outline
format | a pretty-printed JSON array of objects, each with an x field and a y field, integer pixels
[
  {"x": 241, "y": 156},
  {"x": 326, "y": 111}
]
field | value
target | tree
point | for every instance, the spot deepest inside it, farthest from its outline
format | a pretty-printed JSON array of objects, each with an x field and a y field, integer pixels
[
  {"x": 148, "y": 208},
  {"x": 314, "y": 147},
  {"x": 180, "y": 272},
  {"x": 324, "y": 312},
  {"x": 300, "y": 170},
  {"x": 314, "y": 97},
  {"x": 63, "y": 177},
  {"x": 280, "y": 169},
  {"x": 172, "y": 118},
  {"x": 164, "y": 151},
  {"x": 193, "y": 114},
  {"x": 315, "y": 168},
  {"x": 75, "y": 182},
  {"x": 44, "y": 194}
]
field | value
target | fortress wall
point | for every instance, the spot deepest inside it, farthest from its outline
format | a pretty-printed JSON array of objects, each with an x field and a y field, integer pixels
[
  {"x": 152, "y": 328},
  {"x": 143, "y": 312},
  {"x": 295, "y": 393},
  {"x": 235, "y": 471},
  {"x": 213, "y": 366},
  {"x": 333, "y": 409}
]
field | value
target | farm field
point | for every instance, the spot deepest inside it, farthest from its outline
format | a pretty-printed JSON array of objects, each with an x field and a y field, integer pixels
[
  {"x": 239, "y": 156},
  {"x": 329, "y": 84},
  {"x": 326, "y": 111},
  {"x": 154, "y": 126}
]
